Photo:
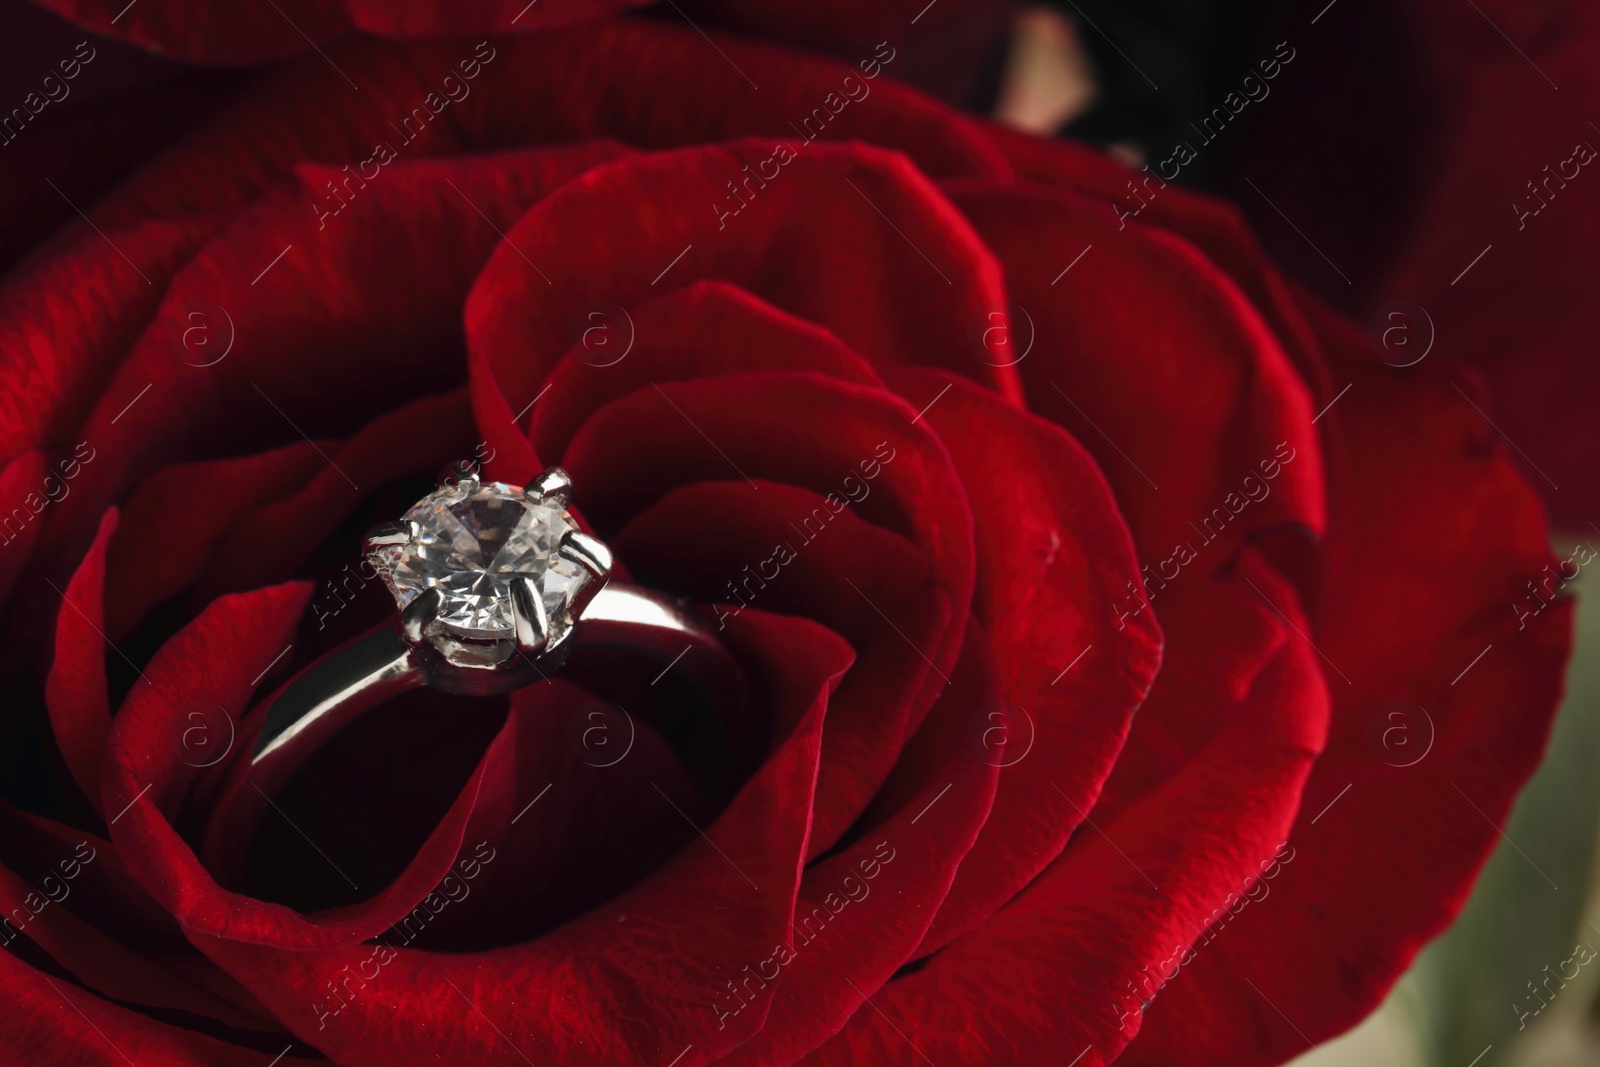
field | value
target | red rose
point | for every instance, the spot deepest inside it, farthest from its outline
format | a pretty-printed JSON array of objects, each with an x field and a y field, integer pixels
[{"x": 1088, "y": 572}]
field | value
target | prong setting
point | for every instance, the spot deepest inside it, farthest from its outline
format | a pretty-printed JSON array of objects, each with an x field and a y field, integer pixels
[
  {"x": 531, "y": 626},
  {"x": 553, "y": 487},
  {"x": 389, "y": 535},
  {"x": 589, "y": 551},
  {"x": 422, "y": 610},
  {"x": 462, "y": 473},
  {"x": 592, "y": 554}
]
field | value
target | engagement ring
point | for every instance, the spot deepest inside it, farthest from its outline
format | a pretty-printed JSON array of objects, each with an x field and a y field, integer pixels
[{"x": 495, "y": 586}]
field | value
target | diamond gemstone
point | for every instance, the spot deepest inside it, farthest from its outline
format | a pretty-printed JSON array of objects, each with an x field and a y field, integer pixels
[{"x": 470, "y": 541}]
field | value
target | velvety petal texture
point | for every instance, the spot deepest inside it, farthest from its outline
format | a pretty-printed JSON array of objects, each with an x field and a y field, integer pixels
[
  {"x": 227, "y": 33},
  {"x": 1069, "y": 559}
]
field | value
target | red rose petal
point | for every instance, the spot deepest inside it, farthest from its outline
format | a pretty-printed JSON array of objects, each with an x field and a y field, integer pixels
[
  {"x": 119, "y": 905},
  {"x": 276, "y": 539},
  {"x": 120, "y": 909},
  {"x": 67, "y": 318},
  {"x": 1052, "y": 553},
  {"x": 209, "y": 664},
  {"x": 947, "y": 48},
  {"x": 695, "y": 921},
  {"x": 804, "y": 97},
  {"x": 20, "y": 479},
  {"x": 954, "y": 40},
  {"x": 1410, "y": 513},
  {"x": 704, "y": 330},
  {"x": 1207, "y": 635},
  {"x": 881, "y": 211},
  {"x": 174, "y": 521},
  {"x": 1195, "y": 401},
  {"x": 906, "y": 853},
  {"x": 110, "y": 968},
  {"x": 75, "y": 690},
  {"x": 714, "y": 540},
  {"x": 1048, "y": 977},
  {"x": 597, "y": 82},
  {"x": 54, "y": 1023},
  {"x": 1522, "y": 312},
  {"x": 1214, "y": 226},
  {"x": 796, "y": 428},
  {"x": 131, "y": 107},
  {"x": 573, "y": 817},
  {"x": 224, "y": 33},
  {"x": 371, "y": 336}
]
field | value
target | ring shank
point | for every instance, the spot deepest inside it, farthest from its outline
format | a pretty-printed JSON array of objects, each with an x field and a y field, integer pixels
[{"x": 375, "y": 668}]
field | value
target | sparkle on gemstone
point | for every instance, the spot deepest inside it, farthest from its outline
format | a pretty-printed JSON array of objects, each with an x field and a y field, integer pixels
[{"x": 470, "y": 542}]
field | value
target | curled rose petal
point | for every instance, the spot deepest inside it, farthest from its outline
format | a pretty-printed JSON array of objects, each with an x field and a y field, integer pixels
[
  {"x": 1169, "y": 860},
  {"x": 1344, "y": 933},
  {"x": 584, "y": 977},
  {"x": 176, "y": 519},
  {"x": 146, "y": 778},
  {"x": 80, "y": 710},
  {"x": 222, "y": 33},
  {"x": 59, "y": 1023}
]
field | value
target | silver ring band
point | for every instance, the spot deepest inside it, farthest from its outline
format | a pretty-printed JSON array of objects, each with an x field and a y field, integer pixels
[{"x": 359, "y": 677}]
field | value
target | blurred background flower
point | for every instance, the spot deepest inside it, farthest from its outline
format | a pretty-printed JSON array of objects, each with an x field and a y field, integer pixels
[{"x": 1417, "y": 166}]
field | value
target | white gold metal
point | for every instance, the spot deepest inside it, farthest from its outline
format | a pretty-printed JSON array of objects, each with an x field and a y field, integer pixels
[
  {"x": 553, "y": 486},
  {"x": 531, "y": 626},
  {"x": 388, "y": 535},
  {"x": 588, "y": 550},
  {"x": 417, "y": 614},
  {"x": 459, "y": 472}
]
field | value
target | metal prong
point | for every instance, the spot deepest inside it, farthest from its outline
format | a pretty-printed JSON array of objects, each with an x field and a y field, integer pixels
[
  {"x": 587, "y": 550},
  {"x": 592, "y": 554},
  {"x": 581, "y": 598},
  {"x": 462, "y": 471},
  {"x": 388, "y": 535},
  {"x": 531, "y": 625},
  {"x": 553, "y": 487},
  {"x": 419, "y": 613}
]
